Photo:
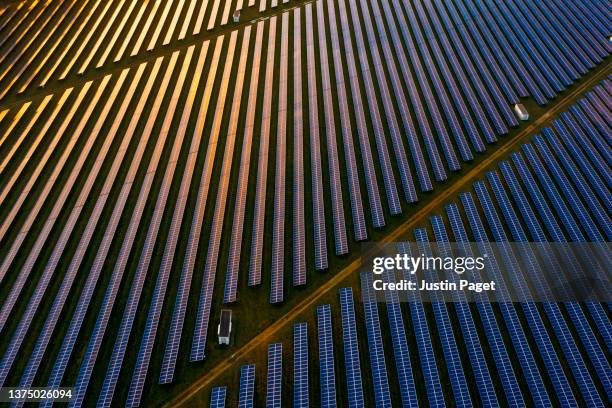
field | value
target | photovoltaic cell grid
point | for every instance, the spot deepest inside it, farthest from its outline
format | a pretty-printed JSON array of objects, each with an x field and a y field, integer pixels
[
  {"x": 378, "y": 366},
  {"x": 327, "y": 371},
  {"x": 275, "y": 372},
  {"x": 351, "y": 349},
  {"x": 217, "y": 397},
  {"x": 247, "y": 386},
  {"x": 300, "y": 365},
  {"x": 574, "y": 154}
]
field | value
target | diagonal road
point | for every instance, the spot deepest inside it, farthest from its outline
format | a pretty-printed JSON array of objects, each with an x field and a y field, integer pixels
[{"x": 442, "y": 196}]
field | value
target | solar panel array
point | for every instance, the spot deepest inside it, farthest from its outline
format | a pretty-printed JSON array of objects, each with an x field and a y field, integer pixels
[
  {"x": 247, "y": 386},
  {"x": 352, "y": 360},
  {"x": 525, "y": 199},
  {"x": 45, "y": 42},
  {"x": 275, "y": 374},
  {"x": 135, "y": 166},
  {"x": 327, "y": 371},
  {"x": 300, "y": 366}
]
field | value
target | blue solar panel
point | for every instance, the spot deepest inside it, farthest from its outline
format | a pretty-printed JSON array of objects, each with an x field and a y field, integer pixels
[
  {"x": 400, "y": 349},
  {"x": 275, "y": 373},
  {"x": 387, "y": 103},
  {"x": 129, "y": 313},
  {"x": 492, "y": 51},
  {"x": 247, "y": 386},
  {"x": 452, "y": 358},
  {"x": 146, "y": 347},
  {"x": 300, "y": 365},
  {"x": 429, "y": 368},
  {"x": 326, "y": 357},
  {"x": 482, "y": 119},
  {"x": 406, "y": 117},
  {"x": 351, "y": 349},
  {"x": 378, "y": 367},
  {"x": 421, "y": 78},
  {"x": 370, "y": 97},
  {"x": 492, "y": 331},
  {"x": 593, "y": 116},
  {"x": 481, "y": 373},
  {"x": 553, "y": 311},
  {"x": 217, "y": 397},
  {"x": 517, "y": 335},
  {"x": 433, "y": 74},
  {"x": 599, "y": 213},
  {"x": 587, "y": 166},
  {"x": 536, "y": 325},
  {"x": 595, "y": 309},
  {"x": 344, "y": 99},
  {"x": 509, "y": 40}
]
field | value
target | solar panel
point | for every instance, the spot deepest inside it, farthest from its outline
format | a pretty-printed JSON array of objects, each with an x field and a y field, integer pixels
[
  {"x": 274, "y": 384},
  {"x": 378, "y": 367},
  {"x": 400, "y": 347},
  {"x": 159, "y": 26},
  {"x": 318, "y": 205},
  {"x": 213, "y": 15},
  {"x": 535, "y": 229},
  {"x": 406, "y": 117},
  {"x": 247, "y": 386},
  {"x": 235, "y": 247},
  {"x": 33, "y": 177},
  {"x": 58, "y": 204},
  {"x": 506, "y": 37},
  {"x": 430, "y": 145},
  {"x": 182, "y": 296},
  {"x": 100, "y": 38},
  {"x": 300, "y": 365},
  {"x": 299, "y": 227},
  {"x": 278, "y": 222},
  {"x": 326, "y": 357},
  {"x": 600, "y": 215},
  {"x": 174, "y": 21},
  {"x": 586, "y": 142},
  {"x": 217, "y": 397},
  {"x": 257, "y": 240},
  {"x": 127, "y": 37},
  {"x": 427, "y": 359},
  {"x": 351, "y": 349},
  {"x": 332, "y": 148}
]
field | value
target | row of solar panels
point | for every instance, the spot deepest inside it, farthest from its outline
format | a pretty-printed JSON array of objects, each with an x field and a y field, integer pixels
[
  {"x": 42, "y": 41},
  {"x": 59, "y": 150},
  {"x": 551, "y": 191}
]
